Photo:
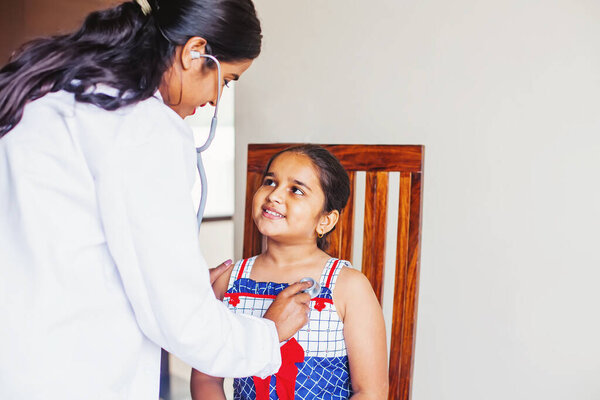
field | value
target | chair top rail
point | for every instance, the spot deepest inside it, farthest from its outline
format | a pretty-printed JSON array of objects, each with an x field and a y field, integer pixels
[{"x": 376, "y": 157}]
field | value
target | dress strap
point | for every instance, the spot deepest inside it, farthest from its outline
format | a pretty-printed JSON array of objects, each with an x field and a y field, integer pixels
[
  {"x": 241, "y": 269},
  {"x": 330, "y": 272}
]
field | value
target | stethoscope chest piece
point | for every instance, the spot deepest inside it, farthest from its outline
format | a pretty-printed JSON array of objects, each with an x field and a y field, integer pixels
[{"x": 314, "y": 289}]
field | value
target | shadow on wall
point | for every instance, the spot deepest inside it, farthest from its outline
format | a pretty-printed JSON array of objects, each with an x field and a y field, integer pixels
[{"x": 23, "y": 20}]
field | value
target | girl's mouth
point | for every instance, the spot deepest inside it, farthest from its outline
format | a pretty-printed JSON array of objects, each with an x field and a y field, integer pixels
[{"x": 272, "y": 214}]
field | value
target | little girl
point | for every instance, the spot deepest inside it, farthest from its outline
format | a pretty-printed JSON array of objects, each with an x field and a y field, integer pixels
[{"x": 341, "y": 352}]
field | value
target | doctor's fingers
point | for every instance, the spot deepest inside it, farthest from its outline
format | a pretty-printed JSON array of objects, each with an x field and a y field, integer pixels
[
  {"x": 302, "y": 298},
  {"x": 295, "y": 289},
  {"x": 290, "y": 313},
  {"x": 216, "y": 272}
]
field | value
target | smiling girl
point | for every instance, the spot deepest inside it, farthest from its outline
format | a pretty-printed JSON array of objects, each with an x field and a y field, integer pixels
[{"x": 341, "y": 352}]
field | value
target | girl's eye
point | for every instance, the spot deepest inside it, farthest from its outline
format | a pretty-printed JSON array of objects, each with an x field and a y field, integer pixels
[
  {"x": 295, "y": 190},
  {"x": 269, "y": 182}
]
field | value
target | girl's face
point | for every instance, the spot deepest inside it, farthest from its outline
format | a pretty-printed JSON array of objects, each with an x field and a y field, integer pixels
[{"x": 288, "y": 206}]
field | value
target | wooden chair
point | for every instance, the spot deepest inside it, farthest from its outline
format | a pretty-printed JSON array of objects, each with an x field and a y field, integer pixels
[{"x": 377, "y": 161}]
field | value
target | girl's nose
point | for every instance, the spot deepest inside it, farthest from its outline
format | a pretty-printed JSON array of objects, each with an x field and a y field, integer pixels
[{"x": 276, "y": 195}]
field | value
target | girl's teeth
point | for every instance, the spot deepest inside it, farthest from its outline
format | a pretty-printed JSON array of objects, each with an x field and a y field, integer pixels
[{"x": 273, "y": 213}]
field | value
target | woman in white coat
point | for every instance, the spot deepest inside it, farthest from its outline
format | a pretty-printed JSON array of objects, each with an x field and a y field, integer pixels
[{"x": 100, "y": 264}]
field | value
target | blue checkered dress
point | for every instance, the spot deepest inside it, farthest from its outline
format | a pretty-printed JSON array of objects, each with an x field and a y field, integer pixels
[{"x": 324, "y": 374}]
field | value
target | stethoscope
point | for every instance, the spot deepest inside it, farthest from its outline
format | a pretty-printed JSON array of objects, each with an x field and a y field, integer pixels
[
  {"x": 213, "y": 127},
  {"x": 315, "y": 288}
]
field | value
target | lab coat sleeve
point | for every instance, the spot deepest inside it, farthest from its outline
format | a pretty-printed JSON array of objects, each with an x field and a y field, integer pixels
[{"x": 149, "y": 220}]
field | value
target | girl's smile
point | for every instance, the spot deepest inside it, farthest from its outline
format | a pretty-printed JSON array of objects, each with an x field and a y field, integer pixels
[{"x": 270, "y": 213}]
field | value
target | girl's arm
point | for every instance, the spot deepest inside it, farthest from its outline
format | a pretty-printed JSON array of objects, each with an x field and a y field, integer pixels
[
  {"x": 364, "y": 333},
  {"x": 205, "y": 386}
]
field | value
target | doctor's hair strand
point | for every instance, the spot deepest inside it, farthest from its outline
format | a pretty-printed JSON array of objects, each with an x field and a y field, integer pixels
[
  {"x": 333, "y": 178},
  {"x": 125, "y": 49}
]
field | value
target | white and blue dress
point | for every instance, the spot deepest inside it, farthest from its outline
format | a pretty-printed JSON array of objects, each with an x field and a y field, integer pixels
[{"x": 314, "y": 360}]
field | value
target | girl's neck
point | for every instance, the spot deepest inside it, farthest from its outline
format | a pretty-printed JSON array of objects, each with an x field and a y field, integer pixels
[{"x": 285, "y": 255}]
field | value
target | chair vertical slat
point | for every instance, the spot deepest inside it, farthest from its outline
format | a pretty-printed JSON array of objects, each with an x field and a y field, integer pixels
[
  {"x": 376, "y": 194},
  {"x": 342, "y": 237},
  {"x": 348, "y": 220},
  {"x": 252, "y": 237},
  {"x": 396, "y": 372},
  {"x": 412, "y": 285}
]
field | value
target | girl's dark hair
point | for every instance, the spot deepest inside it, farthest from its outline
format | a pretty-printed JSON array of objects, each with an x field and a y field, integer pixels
[
  {"x": 332, "y": 176},
  {"x": 125, "y": 49}
]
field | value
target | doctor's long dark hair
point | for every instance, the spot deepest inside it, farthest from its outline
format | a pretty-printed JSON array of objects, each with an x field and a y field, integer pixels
[{"x": 125, "y": 49}]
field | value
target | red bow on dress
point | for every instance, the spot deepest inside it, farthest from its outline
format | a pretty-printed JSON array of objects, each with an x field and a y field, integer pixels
[{"x": 285, "y": 378}]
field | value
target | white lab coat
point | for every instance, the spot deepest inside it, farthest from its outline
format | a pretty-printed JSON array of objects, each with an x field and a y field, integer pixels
[{"x": 100, "y": 264}]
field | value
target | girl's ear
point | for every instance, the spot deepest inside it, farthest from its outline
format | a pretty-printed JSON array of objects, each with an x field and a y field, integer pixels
[{"x": 327, "y": 222}]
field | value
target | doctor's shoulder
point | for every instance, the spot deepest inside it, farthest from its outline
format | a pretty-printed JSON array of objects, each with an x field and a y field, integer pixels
[{"x": 151, "y": 120}]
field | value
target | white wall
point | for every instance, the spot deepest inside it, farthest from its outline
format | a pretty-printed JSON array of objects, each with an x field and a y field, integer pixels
[{"x": 506, "y": 97}]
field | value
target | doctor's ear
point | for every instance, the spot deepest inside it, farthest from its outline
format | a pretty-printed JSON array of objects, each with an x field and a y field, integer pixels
[{"x": 192, "y": 50}]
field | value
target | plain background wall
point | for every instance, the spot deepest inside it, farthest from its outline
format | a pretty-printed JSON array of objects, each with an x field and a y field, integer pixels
[{"x": 505, "y": 96}]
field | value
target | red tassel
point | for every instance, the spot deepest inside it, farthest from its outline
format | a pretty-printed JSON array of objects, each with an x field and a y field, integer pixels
[
  {"x": 285, "y": 378},
  {"x": 262, "y": 387}
]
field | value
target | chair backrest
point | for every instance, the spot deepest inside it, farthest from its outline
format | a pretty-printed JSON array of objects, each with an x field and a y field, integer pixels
[{"x": 377, "y": 161}]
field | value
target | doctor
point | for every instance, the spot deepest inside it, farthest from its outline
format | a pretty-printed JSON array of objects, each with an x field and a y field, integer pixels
[{"x": 100, "y": 264}]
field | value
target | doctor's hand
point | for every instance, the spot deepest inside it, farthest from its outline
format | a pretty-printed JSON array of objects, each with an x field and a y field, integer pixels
[
  {"x": 216, "y": 272},
  {"x": 290, "y": 310}
]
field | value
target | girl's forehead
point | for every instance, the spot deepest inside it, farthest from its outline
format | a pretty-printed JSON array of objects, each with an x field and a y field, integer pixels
[
  {"x": 292, "y": 161},
  {"x": 294, "y": 164}
]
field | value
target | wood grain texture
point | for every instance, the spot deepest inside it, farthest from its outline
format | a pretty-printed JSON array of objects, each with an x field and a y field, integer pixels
[
  {"x": 376, "y": 161},
  {"x": 411, "y": 283},
  {"x": 368, "y": 158},
  {"x": 252, "y": 237},
  {"x": 347, "y": 220},
  {"x": 341, "y": 239},
  {"x": 373, "y": 256},
  {"x": 396, "y": 372}
]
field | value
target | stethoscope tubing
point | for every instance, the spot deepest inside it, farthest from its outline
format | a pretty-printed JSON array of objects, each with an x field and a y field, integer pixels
[{"x": 211, "y": 136}]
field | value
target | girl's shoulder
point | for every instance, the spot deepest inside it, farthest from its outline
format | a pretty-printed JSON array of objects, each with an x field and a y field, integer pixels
[
  {"x": 350, "y": 276},
  {"x": 352, "y": 285}
]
